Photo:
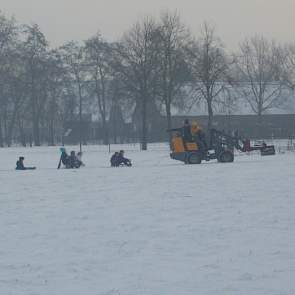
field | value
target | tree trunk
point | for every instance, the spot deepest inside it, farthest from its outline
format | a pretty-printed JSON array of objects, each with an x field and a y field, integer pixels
[
  {"x": 11, "y": 127},
  {"x": 169, "y": 122},
  {"x": 210, "y": 115},
  {"x": 105, "y": 131},
  {"x": 80, "y": 117},
  {"x": 51, "y": 133},
  {"x": 210, "y": 121},
  {"x": 35, "y": 117},
  {"x": 1, "y": 135},
  {"x": 36, "y": 131},
  {"x": 103, "y": 109},
  {"x": 21, "y": 133},
  {"x": 144, "y": 124}
]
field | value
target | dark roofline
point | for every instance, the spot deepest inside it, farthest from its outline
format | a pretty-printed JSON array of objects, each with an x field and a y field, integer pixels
[{"x": 233, "y": 116}]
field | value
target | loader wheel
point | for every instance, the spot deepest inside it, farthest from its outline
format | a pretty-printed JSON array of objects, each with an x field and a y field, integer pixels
[
  {"x": 194, "y": 158},
  {"x": 226, "y": 157}
]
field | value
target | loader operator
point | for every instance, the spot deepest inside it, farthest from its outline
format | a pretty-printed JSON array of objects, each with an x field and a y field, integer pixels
[
  {"x": 199, "y": 136},
  {"x": 186, "y": 131}
]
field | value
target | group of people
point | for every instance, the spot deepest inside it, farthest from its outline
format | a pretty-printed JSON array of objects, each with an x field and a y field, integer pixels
[
  {"x": 189, "y": 132},
  {"x": 74, "y": 160},
  {"x": 118, "y": 159},
  {"x": 70, "y": 161}
]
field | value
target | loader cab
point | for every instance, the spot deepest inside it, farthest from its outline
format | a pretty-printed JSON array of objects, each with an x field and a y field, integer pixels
[
  {"x": 180, "y": 146},
  {"x": 187, "y": 152}
]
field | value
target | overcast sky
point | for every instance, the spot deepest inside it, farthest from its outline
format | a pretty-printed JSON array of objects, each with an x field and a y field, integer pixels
[{"x": 64, "y": 20}]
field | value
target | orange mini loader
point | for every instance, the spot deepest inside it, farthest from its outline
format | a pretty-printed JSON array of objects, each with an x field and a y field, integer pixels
[{"x": 221, "y": 147}]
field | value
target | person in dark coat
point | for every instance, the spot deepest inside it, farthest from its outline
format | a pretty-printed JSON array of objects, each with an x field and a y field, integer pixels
[
  {"x": 186, "y": 131},
  {"x": 121, "y": 160},
  {"x": 20, "y": 165},
  {"x": 114, "y": 159},
  {"x": 73, "y": 161},
  {"x": 118, "y": 159}
]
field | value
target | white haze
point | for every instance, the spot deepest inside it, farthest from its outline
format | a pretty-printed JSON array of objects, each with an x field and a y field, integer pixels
[{"x": 63, "y": 20}]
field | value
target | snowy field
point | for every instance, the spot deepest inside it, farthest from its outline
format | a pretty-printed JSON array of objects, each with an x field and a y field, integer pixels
[{"x": 158, "y": 228}]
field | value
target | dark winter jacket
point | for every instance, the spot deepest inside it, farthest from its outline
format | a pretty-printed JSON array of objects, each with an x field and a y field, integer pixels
[
  {"x": 118, "y": 159},
  {"x": 186, "y": 133},
  {"x": 114, "y": 160},
  {"x": 20, "y": 165}
]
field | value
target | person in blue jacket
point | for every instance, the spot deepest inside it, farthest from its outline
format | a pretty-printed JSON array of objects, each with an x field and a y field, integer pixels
[{"x": 20, "y": 165}]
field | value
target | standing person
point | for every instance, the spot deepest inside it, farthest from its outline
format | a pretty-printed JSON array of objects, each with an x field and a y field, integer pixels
[
  {"x": 199, "y": 137},
  {"x": 64, "y": 158},
  {"x": 186, "y": 131},
  {"x": 20, "y": 165}
]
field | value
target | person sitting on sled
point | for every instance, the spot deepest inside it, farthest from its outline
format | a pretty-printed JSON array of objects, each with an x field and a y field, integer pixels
[
  {"x": 118, "y": 159},
  {"x": 79, "y": 159},
  {"x": 114, "y": 159},
  {"x": 20, "y": 165},
  {"x": 73, "y": 161},
  {"x": 121, "y": 160}
]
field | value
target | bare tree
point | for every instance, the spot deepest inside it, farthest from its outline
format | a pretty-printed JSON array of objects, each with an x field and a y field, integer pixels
[
  {"x": 259, "y": 67},
  {"x": 288, "y": 65},
  {"x": 56, "y": 84},
  {"x": 136, "y": 61},
  {"x": 74, "y": 57},
  {"x": 35, "y": 54},
  {"x": 98, "y": 60},
  {"x": 173, "y": 74},
  {"x": 209, "y": 66},
  {"x": 8, "y": 35}
]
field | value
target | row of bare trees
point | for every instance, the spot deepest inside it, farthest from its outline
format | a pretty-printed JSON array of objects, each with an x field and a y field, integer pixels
[{"x": 157, "y": 65}]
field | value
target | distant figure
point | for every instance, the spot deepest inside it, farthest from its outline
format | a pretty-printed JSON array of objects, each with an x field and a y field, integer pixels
[
  {"x": 64, "y": 158},
  {"x": 73, "y": 161},
  {"x": 70, "y": 161},
  {"x": 114, "y": 159},
  {"x": 247, "y": 145},
  {"x": 118, "y": 159},
  {"x": 79, "y": 159},
  {"x": 199, "y": 136},
  {"x": 186, "y": 131},
  {"x": 122, "y": 160},
  {"x": 20, "y": 165}
]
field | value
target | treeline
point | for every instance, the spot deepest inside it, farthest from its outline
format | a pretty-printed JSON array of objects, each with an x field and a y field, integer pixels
[{"x": 157, "y": 65}]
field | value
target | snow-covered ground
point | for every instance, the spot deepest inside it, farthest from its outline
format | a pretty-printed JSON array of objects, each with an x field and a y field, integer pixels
[{"x": 158, "y": 228}]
